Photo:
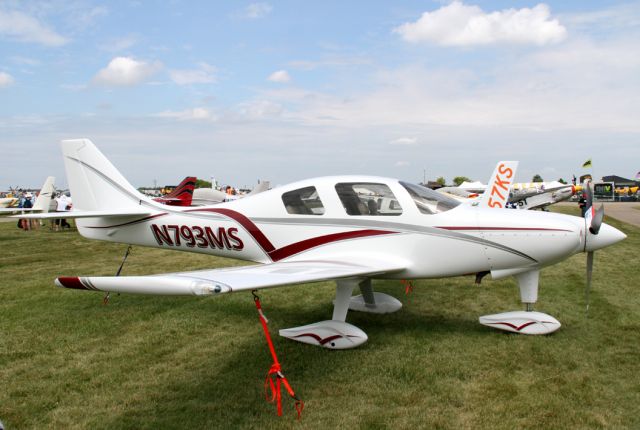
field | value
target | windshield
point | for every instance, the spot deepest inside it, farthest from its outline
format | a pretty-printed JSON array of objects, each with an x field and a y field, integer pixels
[{"x": 429, "y": 201}]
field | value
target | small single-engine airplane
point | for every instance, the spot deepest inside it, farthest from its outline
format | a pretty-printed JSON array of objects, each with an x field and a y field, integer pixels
[
  {"x": 182, "y": 195},
  {"x": 331, "y": 228}
]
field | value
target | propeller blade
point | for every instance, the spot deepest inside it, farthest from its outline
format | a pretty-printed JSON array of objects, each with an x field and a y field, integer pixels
[
  {"x": 589, "y": 272},
  {"x": 596, "y": 221},
  {"x": 586, "y": 187}
]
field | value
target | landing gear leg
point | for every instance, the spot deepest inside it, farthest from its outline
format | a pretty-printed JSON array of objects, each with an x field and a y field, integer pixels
[
  {"x": 528, "y": 283},
  {"x": 343, "y": 296}
]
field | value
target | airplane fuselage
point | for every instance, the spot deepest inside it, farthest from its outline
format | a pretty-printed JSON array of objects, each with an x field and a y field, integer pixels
[{"x": 458, "y": 241}]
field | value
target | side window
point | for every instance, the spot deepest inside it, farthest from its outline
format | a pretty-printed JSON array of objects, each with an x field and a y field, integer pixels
[
  {"x": 362, "y": 198},
  {"x": 303, "y": 201}
]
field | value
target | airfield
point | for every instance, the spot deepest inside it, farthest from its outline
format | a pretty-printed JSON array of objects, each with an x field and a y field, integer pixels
[{"x": 68, "y": 361}]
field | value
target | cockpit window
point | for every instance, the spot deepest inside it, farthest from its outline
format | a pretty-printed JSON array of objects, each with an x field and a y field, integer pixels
[
  {"x": 429, "y": 201},
  {"x": 362, "y": 198},
  {"x": 303, "y": 201}
]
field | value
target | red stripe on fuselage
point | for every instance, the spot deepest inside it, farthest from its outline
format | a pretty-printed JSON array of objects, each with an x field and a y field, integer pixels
[
  {"x": 246, "y": 223},
  {"x": 294, "y": 248}
]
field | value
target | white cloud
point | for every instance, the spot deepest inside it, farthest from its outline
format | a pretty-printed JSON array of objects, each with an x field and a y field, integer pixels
[
  {"x": 198, "y": 113},
  {"x": 402, "y": 164},
  {"x": 24, "y": 28},
  {"x": 257, "y": 10},
  {"x": 5, "y": 79},
  {"x": 458, "y": 24},
  {"x": 280, "y": 76},
  {"x": 203, "y": 75},
  {"x": 125, "y": 71},
  {"x": 404, "y": 141}
]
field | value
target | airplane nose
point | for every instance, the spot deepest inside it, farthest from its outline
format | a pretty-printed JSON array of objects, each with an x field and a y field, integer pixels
[{"x": 607, "y": 236}]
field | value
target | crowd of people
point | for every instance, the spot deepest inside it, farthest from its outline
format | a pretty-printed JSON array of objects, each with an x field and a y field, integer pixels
[{"x": 62, "y": 203}]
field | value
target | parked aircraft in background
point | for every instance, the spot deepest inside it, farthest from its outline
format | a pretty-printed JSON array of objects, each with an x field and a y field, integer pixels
[
  {"x": 326, "y": 229},
  {"x": 211, "y": 196},
  {"x": 538, "y": 195},
  {"x": 182, "y": 195},
  {"x": 42, "y": 202},
  {"x": 498, "y": 187}
]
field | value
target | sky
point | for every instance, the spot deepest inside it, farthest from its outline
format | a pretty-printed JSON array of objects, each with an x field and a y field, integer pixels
[{"x": 287, "y": 90}]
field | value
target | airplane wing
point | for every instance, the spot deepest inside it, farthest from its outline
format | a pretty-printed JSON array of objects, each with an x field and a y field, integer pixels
[
  {"x": 17, "y": 210},
  {"x": 219, "y": 281},
  {"x": 86, "y": 214}
]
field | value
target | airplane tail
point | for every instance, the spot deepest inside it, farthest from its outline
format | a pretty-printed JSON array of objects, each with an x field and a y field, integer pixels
[
  {"x": 46, "y": 195},
  {"x": 182, "y": 195},
  {"x": 497, "y": 193},
  {"x": 95, "y": 184},
  {"x": 262, "y": 186}
]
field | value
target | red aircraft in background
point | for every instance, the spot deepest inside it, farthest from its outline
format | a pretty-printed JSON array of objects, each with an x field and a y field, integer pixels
[{"x": 182, "y": 195}]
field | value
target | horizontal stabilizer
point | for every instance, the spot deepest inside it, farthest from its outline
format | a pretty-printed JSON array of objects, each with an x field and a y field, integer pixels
[
  {"x": 210, "y": 282},
  {"x": 87, "y": 214}
]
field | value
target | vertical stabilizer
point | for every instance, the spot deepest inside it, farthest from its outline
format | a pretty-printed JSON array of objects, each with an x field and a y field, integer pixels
[
  {"x": 94, "y": 182},
  {"x": 46, "y": 195},
  {"x": 497, "y": 193}
]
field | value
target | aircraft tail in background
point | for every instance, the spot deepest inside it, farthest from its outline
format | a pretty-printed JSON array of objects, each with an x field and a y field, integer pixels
[
  {"x": 46, "y": 195},
  {"x": 497, "y": 193},
  {"x": 182, "y": 195}
]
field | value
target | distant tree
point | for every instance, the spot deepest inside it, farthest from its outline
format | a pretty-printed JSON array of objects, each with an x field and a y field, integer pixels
[
  {"x": 460, "y": 179},
  {"x": 201, "y": 183},
  {"x": 441, "y": 181},
  {"x": 537, "y": 178},
  {"x": 562, "y": 181}
]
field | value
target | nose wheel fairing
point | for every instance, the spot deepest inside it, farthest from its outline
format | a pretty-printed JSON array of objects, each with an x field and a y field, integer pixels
[{"x": 524, "y": 322}]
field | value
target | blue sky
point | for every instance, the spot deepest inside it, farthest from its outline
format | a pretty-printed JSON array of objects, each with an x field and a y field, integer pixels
[{"x": 287, "y": 90}]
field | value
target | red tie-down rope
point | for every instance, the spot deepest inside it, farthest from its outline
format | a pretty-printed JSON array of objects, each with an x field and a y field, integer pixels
[
  {"x": 408, "y": 286},
  {"x": 275, "y": 378}
]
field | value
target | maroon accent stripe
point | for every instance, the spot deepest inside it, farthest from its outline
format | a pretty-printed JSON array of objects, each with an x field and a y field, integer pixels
[
  {"x": 320, "y": 340},
  {"x": 245, "y": 222},
  {"x": 513, "y": 326},
  {"x": 294, "y": 248},
  {"x": 502, "y": 228},
  {"x": 72, "y": 282},
  {"x": 303, "y": 245},
  {"x": 133, "y": 222}
]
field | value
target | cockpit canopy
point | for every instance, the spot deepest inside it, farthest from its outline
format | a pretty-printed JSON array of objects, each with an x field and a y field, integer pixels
[{"x": 367, "y": 199}]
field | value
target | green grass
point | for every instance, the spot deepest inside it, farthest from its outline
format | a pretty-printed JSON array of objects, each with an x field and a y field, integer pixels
[{"x": 68, "y": 361}]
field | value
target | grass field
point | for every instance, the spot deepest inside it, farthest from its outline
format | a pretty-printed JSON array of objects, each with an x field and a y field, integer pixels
[{"x": 68, "y": 361}]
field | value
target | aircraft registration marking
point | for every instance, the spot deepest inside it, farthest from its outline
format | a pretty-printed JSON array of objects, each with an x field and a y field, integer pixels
[
  {"x": 196, "y": 236},
  {"x": 500, "y": 188}
]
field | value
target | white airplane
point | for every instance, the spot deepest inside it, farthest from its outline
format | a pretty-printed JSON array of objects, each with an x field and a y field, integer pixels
[
  {"x": 211, "y": 196},
  {"x": 43, "y": 201},
  {"x": 326, "y": 229}
]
